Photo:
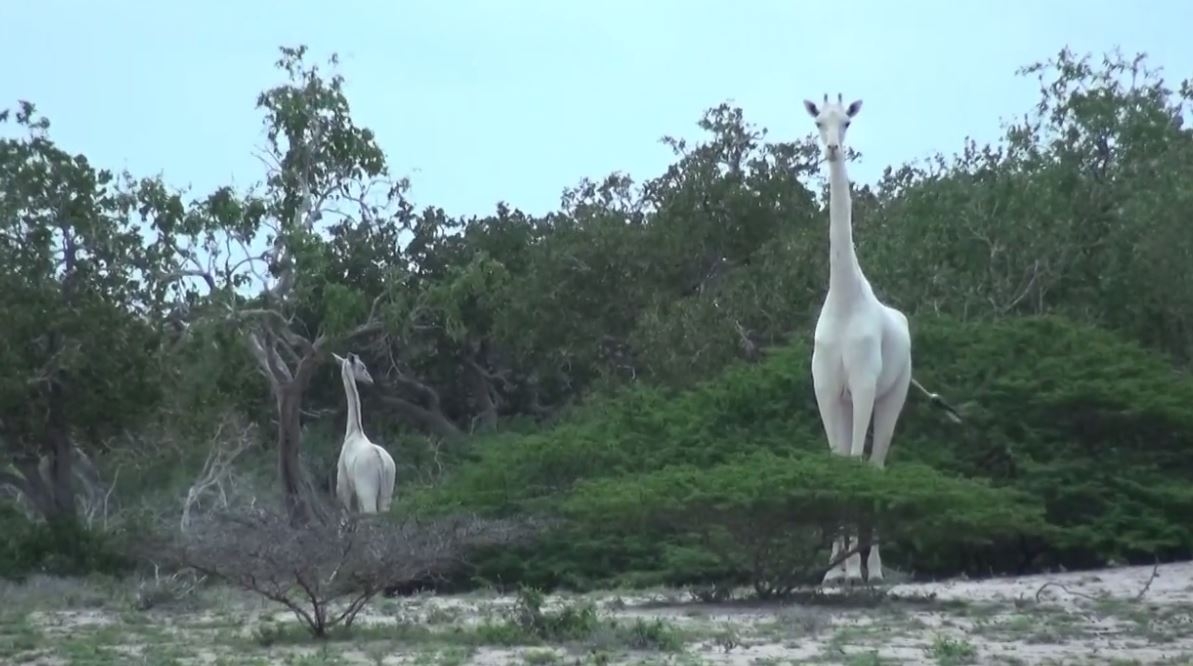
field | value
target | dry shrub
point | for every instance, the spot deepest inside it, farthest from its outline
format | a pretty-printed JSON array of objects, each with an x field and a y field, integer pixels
[{"x": 325, "y": 574}]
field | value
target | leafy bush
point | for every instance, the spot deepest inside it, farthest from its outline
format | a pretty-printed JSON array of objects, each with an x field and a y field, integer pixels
[
  {"x": 59, "y": 547},
  {"x": 1095, "y": 426},
  {"x": 1071, "y": 453},
  {"x": 772, "y": 517}
]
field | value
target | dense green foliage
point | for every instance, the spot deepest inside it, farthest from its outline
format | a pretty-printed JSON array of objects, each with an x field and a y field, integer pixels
[
  {"x": 634, "y": 364},
  {"x": 56, "y": 547},
  {"x": 1079, "y": 423}
]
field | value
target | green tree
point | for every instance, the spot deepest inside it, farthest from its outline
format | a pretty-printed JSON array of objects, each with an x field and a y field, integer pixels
[
  {"x": 1080, "y": 210},
  {"x": 78, "y": 341}
]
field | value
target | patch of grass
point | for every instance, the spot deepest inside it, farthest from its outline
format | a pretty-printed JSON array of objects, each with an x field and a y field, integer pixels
[
  {"x": 653, "y": 635},
  {"x": 1039, "y": 625},
  {"x": 1156, "y": 623},
  {"x": 88, "y": 648},
  {"x": 571, "y": 622},
  {"x": 269, "y": 634},
  {"x": 796, "y": 621},
  {"x": 527, "y": 623},
  {"x": 19, "y": 637},
  {"x": 166, "y": 654},
  {"x": 454, "y": 656},
  {"x": 952, "y": 652},
  {"x": 441, "y": 615},
  {"x": 43, "y": 593},
  {"x": 178, "y": 591},
  {"x": 727, "y": 639},
  {"x": 322, "y": 657},
  {"x": 540, "y": 657}
]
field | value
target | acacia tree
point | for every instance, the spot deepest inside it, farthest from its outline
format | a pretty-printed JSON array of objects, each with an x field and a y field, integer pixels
[
  {"x": 322, "y": 167},
  {"x": 77, "y": 343}
]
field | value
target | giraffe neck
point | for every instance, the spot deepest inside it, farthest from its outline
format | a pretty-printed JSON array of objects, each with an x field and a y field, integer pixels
[
  {"x": 353, "y": 426},
  {"x": 845, "y": 273}
]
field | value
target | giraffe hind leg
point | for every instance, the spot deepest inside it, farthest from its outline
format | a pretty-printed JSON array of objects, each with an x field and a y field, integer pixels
[{"x": 886, "y": 416}]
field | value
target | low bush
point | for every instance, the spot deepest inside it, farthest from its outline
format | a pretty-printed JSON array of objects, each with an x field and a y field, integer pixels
[
  {"x": 528, "y": 623},
  {"x": 325, "y": 574},
  {"x": 60, "y": 547},
  {"x": 765, "y": 520},
  {"x": 772, "y": 517},
  {"x": 1095, "y": 426},
  {"x": 1072, "y": 452}
]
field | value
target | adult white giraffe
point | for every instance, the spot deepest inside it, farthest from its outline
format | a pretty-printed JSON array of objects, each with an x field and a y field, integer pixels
[
  {"x": 364, "y": 471},
  {"x": 861, "y": 356}
]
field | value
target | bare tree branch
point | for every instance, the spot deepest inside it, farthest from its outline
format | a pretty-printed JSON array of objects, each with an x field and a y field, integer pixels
[
  {"x": 216, "y": 469},
  {"x": 1032, "y": 274}
]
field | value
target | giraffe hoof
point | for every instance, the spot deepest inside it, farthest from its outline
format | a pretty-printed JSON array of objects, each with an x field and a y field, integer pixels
[{"x": 834, "y": 578}]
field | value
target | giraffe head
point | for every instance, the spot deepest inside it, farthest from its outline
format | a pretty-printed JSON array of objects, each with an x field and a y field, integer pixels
[
  {"x": 355, "y": 366},
  {"x": 832, "y": 119}
]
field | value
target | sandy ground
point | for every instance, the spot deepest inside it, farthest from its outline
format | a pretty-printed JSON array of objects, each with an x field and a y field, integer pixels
[{"x": 1135, "y": 615}]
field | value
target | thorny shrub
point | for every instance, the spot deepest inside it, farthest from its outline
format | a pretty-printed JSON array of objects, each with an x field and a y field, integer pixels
[{"x": 326, "y": 573}]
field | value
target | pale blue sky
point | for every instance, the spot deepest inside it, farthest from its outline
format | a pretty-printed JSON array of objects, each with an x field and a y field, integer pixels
[{"x": 479, "y": 101}]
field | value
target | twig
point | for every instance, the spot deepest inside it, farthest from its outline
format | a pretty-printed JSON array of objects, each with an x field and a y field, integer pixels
[
  {"x": 1148, "y": 585},
  {"x": 215, "y": 471},
  {"x": 1067, "y": 590},
  {"x": 108, "y": 496}
]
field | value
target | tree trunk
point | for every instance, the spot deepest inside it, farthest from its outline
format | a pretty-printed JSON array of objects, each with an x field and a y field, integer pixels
[
  {"x": 483, "y": 399},
  {"x": 57, "y": 438},
  {"x": 298, "y": 496},
  {"x": 57, "y": 441}
]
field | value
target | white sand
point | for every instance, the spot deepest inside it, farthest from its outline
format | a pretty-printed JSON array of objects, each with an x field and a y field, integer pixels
[{"x": 1101, "y": 617}]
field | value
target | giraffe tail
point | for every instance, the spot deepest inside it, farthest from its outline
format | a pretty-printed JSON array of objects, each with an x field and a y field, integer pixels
[{"x": 938, "y": 402}]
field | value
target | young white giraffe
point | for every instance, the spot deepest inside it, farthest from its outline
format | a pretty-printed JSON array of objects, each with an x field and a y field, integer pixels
[
  {"x": 861, "y": 357},
  {"x": 364, "y": 471}
]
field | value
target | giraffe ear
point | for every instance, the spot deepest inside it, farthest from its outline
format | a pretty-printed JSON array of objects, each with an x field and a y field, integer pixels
[
  {"x": 811, "y": 107},
  {"x": 338, "y": 358},
  {"x": 854, "y": 107}
]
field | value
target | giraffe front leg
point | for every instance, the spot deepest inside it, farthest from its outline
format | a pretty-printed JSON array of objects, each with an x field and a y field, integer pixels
[
  {"x": 853, "y": 563},
  {"x": 836, "y": 572},
  {"x": 863, "y": 406},
  {"x": 837, "y": 415},
  {"x": 343, "y": 486},
  {"x": 874, "y": 560}
]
